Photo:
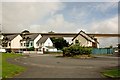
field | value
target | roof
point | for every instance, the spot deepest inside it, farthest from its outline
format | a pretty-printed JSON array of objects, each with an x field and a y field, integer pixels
[
  {"x": 87, "y": 37},
  {"x": 9, "y": 37},
  {"x": 42, "y": 39},
  {"x": 29, "y": 36}
]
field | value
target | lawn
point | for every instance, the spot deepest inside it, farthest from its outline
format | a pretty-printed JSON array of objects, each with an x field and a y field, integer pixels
[
  {"x": 9, "y": 70},
  {"x": 113, "y": 73}
]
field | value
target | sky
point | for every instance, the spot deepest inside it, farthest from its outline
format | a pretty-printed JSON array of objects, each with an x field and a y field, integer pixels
[{"x": 91, "y": 17}]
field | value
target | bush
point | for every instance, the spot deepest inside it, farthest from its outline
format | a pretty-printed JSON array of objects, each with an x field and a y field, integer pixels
[
  {"x": 76, "y": 50},
  {"x": 31, "y": 49}
]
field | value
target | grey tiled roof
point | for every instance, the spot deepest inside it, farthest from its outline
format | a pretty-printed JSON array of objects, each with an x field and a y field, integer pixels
[
  {"x": 42, "y": 39},
  {"x": 9, "y": 37},
  {"x": 29, "y": 36}
]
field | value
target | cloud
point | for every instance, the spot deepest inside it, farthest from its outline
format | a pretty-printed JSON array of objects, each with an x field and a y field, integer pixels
[
  {"x": 0, "y": 12},
  {"x": 36, "y": 16},
  {"x": 59, "y": 23},
  {"x": 15, "y": 14},
  {"x": 108, "y": 41},
  {"x": 88, "y": 12},
  {"x": 106, "y": 26},
  {"x": 60, "y": 0},
  {"x": 105, "y": 6},
  {"x": 56, "y": 23}
]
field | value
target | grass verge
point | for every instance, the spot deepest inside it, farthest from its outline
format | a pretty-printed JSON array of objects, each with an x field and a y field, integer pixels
[
  {"x": 9, "y": 70},
  {"x": 112, "y": 73}
]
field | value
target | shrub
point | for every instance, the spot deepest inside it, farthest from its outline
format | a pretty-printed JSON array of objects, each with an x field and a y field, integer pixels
[
  {"x": 66, "y": 51},
  {"x": 31, "y": 49},
  {"x": 76, "y": 50}
]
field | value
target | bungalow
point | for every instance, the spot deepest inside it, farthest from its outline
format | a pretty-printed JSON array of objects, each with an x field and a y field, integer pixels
[
  {"x": 85, "y": 40},
  {"x": 11, "y": 42},
  {"x": 45, "y": 44},
  {"x": 29, "y": 40}
]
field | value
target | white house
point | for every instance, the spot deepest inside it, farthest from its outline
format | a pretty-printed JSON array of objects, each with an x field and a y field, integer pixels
[
  {"x": 1, "y": 49},
  {"x": 1, "y": 37},
  {"x": 85, "y": 40},
  {"x": 12, "y": 42},
  {"x": 30, "y": 40},
  {"x": 45, "y": 44}
]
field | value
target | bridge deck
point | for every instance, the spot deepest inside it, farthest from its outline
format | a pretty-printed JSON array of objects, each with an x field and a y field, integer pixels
[
  {"x": 73, "y": 34},
  {"x": 70, "y": 34}
]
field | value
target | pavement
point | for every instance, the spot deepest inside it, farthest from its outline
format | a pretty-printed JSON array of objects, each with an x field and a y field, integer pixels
[{"x": 54, "y": 66}]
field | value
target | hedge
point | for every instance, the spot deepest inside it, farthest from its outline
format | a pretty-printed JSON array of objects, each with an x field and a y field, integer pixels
[{"x": 76, "y": 50}]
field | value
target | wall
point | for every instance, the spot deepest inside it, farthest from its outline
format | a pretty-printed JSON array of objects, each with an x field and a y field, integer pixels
[
  {"x": 48, "y": 42},
  {"x": 15, "y": 43},
  {"x": 53, "y": 50},
  {"x": 82, "y": 41},
  {"x": 35, "y": 41},
  {"x": 23, "y": 44}
]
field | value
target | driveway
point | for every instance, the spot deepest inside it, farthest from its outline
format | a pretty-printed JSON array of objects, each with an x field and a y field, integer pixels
[{"x": 51, "y": 66}]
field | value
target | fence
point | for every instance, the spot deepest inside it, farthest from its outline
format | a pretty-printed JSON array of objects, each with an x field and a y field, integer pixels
[{"x": 102, "y": 51}]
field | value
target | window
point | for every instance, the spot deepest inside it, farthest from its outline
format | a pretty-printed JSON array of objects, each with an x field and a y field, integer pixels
[
  {"x": 41, "y": 44},
  {"x": 76, "y": 41},
  {"x": 9, "y": 44},
  {"x": 24, "y": 44},
  {"x": 21, "y": 44},
  {"x": 31, "y": 44},
  {"x": 38, "y": 44}
]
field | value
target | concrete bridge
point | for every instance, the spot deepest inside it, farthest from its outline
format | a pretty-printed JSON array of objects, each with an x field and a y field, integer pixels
[
  {"x": 73, "y": 34},
  {"x": 70, "y": 34}
]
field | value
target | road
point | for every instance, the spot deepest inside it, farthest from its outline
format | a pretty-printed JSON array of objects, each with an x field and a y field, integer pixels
[{"x": 51, "y": 66}]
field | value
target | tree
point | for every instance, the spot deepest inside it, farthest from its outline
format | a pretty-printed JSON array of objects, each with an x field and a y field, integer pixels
[
  {"x": 110, "y": 46},
  {"x": 51, "y": 32},
  {"x": 59, "y": 43}
]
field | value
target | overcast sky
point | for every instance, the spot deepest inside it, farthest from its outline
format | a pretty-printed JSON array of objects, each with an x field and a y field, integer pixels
[{"x": 92, "y": 17}]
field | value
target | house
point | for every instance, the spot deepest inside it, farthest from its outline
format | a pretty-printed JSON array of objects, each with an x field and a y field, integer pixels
[
  {"x": 1, "y": 37},
  {"x": 45, "y": 44},
  {"x": 85, "y": 40},
  {"x": 29, "y": 41},
  {"x": 1, "y": 49},
  {"x": 11, "y": 42}
]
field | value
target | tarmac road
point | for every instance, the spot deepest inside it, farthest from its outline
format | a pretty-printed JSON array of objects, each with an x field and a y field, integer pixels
[{"x": 50, "y": 66}]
